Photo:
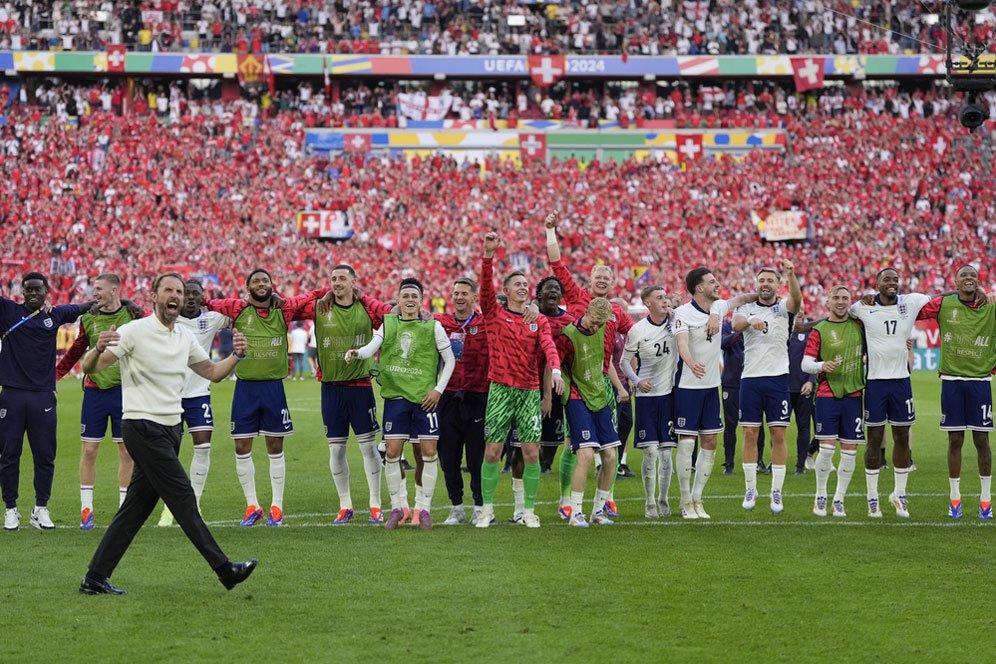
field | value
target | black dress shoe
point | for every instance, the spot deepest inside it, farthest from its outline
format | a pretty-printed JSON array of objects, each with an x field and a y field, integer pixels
[
  {"x": 232, "y": 574},
  {"x": 90, "y": 586}
]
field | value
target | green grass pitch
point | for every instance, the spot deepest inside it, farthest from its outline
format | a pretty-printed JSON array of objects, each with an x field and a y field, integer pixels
[{"x": 744, "y": 586}]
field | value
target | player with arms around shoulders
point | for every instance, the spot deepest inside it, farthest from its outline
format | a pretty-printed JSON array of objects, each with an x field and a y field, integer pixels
[
  {"x": 888, "y": 320},
  {"x": 764, "y": 393},
  {"x": 410, "y": 350},
  {"x": 835, "y": 352},
  {"x": 967, "y": 321},
  {"x": 514, "y": 392},
  {"x": 697, "y": 330},
  {"x": 651, "y": 342}
]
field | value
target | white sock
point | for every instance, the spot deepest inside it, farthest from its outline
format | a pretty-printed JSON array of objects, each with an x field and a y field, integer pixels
[
  {"x": 86, "y": 497},
  {"x": 684, "y": 462},
  {"x": 199, "y": 466},
  {"x": 419, "y": 496},
  {"x": 955, "y": 483},
  {"x": 246, "y": 471},
  {"x": 122, "y": 493},
  {"x": 824, "y": 462},
  {"x": 871, "y": 479},
  {"x": 664, "y": 473},
  {"x": 372, "y": 466},
  {"x": 848, "y": 459},
  {"x": 901, "y": 475},
  {"x": 622, "y": 459},
  {"x": 750, "y": 476},
  {"x": 649, "y": 473},
  {"x": 340, "y": 474},
  {"x": 519, "y": 495},
  {"x": 703, "y": 469},
  {"x": 577, "y": 502},
  {"x": 392, "y": 472},
  {"x": 430, "y": 473},
  {"x": 777, "y": 477},
  {"x": 600, "y": 498},
  {"x": 278, "y": 474},
  {"x": 986, "y": 496}
]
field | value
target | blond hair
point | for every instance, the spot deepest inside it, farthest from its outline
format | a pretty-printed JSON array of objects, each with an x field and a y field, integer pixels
[{"x": 599, "y": 310}]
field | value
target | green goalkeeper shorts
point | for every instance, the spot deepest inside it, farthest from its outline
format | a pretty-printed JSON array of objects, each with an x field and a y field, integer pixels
[{"x": 508, "y": 406}]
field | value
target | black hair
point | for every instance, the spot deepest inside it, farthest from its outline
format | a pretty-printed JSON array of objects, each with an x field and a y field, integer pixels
[
  {"x": 513, "y": 275},
  {"x": 347, "y": 268},
  {"x": 467, "y": 281},
  {"x": 878, "y": 275},
  {"x": 32, "y": 276},
  {"x": 695, "y": 277},
  {"x": 545, "y": 280},
  {"x": 255, "y": 272},
  {"x": 411, "y": 282}
]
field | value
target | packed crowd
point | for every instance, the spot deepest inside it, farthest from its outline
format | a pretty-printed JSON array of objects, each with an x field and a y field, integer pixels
[
  {"x": 218, "y": 192},
  {"x": 472, "y": 27}
]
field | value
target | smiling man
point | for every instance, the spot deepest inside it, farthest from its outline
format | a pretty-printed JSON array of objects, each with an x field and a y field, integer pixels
[
  {"x": 259, "y": 405},
  {"x": 968, "y": 360},
  {"x": 27, "y": 394},
  {"x": 101, "y": 394},
  {"x": 411, "y": 384}
]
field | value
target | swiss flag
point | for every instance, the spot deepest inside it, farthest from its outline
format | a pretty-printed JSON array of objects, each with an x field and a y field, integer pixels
[
  {"x": 808, "y": 73},
  {"x": 689, "y": 147},
  {"x": 309, "y": 224},
  {"x": 116, "y": 57},
  {"x": 545, "y": 70},
  {"x": 356, "y": 142},
  {"x": 532, "y": 146}
]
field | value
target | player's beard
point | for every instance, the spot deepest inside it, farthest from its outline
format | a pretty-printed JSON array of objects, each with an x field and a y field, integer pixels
[{"x": 265, "y": 297}]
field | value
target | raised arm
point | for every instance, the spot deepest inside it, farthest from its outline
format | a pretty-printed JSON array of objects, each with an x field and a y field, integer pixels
[
  {"x": 489, "y": 296},
  {"x": 573, "y": 294},
  {"x": 795, "y": 292}
]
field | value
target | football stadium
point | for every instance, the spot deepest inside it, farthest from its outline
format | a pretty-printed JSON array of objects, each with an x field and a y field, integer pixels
[{"x": 691, "y": 304}]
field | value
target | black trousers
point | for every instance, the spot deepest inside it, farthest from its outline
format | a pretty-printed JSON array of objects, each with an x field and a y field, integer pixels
[
  {"x": 731, "y": 419},
  {"x": 624, "y": 422},
  {"x": 158, "y": 474},
  {"x": 804, "y": 409},
  {"x": 461, "y": 428}
]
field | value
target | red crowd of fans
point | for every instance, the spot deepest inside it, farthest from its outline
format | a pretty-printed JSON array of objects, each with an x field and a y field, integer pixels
[
  {"x": 217, "y": 194},
  {"x": 469, "y": 27}
]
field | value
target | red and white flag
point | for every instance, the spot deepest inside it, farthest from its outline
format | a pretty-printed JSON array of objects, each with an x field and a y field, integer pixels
[
  {"x": 356, "y": 142},
  {"x": 545, "y": 70},
  {"x": 689, "y": 147},
  {"x": 116, "y": 54},
  {"x": 808, "y": 73},
  {"x": 532, "y": 147}
]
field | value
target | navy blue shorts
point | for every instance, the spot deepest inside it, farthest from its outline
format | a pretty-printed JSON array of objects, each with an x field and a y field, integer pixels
[
  {"x": 696, "y": 411},
  {"x": 588, "y": 429},
  {"x": 553, "y": 426},
  {"x": 966, "y": 404},
  {"x": 259, "y": 408},
  {"x": 404, "y": 419},
  {"x": 840, "y": 419},
  {"x": 346, "y": 406},
  {"x": 889, "y": 401},
  {"x": 654, "y": 422},
  {"x": 197, "y": 413},
  {"x": 765, "y": 397},
  {"x": 99, "y": 406}
]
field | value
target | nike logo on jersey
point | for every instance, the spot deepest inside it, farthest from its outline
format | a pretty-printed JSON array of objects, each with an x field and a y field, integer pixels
[{"x": 48, "y": 409}]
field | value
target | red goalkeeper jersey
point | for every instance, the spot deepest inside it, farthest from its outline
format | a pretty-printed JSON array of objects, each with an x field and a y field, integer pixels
[{"x": 514, "y": 345}]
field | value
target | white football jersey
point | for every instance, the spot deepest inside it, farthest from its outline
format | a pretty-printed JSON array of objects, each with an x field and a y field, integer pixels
[
  {"x": 203, "y": 326},
  {"x": 886, "y": 330},
  {"x": 657, "y": 355},
  {"x": 766, "y": 352},
  {"x": 692, "y": 320}
]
